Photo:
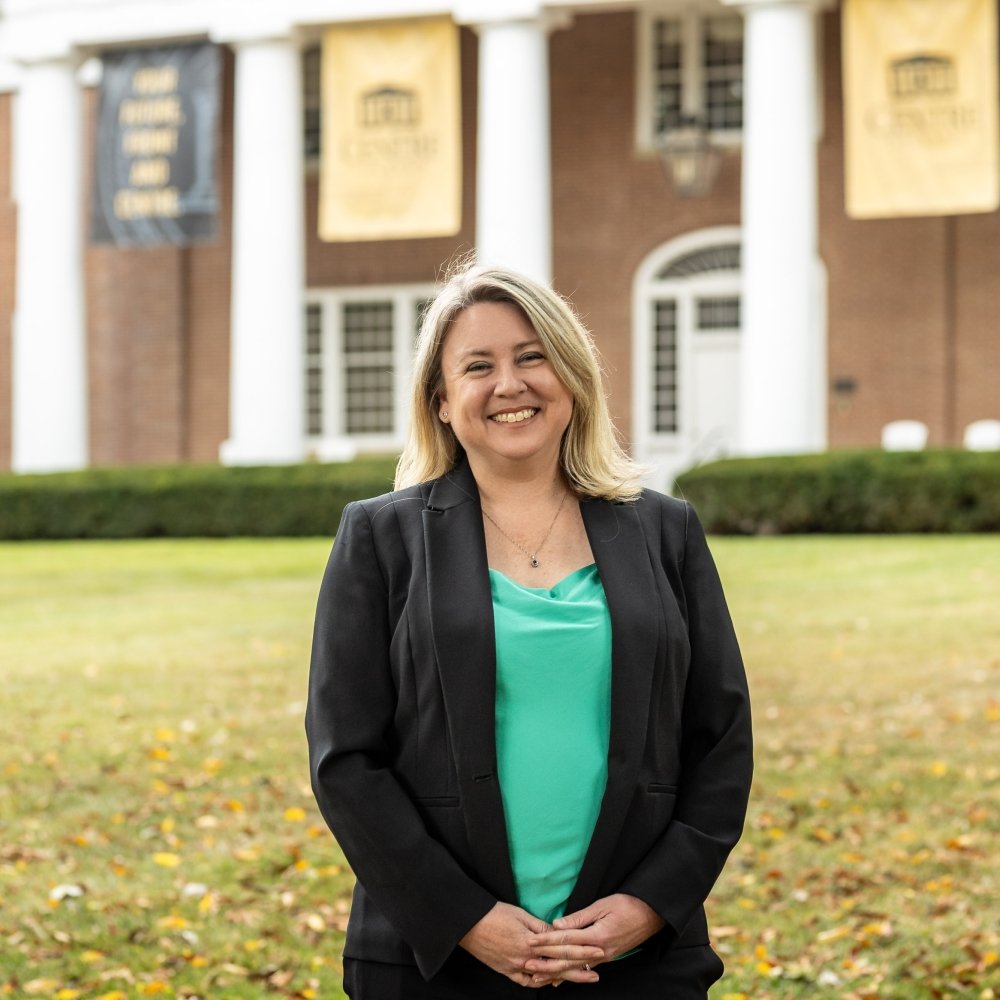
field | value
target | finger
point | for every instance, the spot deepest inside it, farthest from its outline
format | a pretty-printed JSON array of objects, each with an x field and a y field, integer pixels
[
  {"x": 568, "y": 954},
  {"x": 572, "y": 971},
  {"x": 533, "y": 924},
  {"x": 577, "y": 919},
  {"x": 538, "y": 981},
  {"x": 525, "y": 979},
  {"x": 557, "y": 939},
  {"x": 575, "y": 975}
]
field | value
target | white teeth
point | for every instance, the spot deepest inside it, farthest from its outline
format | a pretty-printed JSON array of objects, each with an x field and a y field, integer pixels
[{"x": 513, "y": 418}]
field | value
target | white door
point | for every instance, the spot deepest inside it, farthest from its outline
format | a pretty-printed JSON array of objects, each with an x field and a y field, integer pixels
[{"x": 686, "y": 354}]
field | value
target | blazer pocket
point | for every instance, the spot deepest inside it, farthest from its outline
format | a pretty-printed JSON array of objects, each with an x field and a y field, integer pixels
[
  {"x": 658, "y": 787},
  {"x": 444, "y": 820},
  {"x": 661, "y": 800},
  {"x": 437, "y": 801}
]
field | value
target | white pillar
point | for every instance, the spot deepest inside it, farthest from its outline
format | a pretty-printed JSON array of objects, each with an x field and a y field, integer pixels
[
  {"x": 783, "y": 390},
  {"x": 266, "y": 408},
  {"x": 49, "y": 330},
  {"x": 514, "y": 172}
]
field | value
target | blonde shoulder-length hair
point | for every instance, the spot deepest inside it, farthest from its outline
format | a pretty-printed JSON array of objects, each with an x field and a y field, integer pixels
[{"x": 592, "y": 460}]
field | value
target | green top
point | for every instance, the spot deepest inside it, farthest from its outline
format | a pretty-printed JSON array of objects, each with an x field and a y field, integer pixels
[{"x": 553, "y": 719}]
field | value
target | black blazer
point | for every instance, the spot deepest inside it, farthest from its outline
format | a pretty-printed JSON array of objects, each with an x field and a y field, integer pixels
[{"x": 400, "y": 719}]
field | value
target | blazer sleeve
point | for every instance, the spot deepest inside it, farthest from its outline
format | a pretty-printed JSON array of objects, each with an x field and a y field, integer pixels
[
  {"x": 677, "y": 875},
  {"x": 410, "y": 876}
]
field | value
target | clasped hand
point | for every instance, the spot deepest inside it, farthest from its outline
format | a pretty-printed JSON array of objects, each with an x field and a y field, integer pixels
[{"x": 531, "y": 953}]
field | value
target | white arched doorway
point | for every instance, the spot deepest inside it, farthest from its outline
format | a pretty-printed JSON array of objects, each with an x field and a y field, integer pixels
[{"x": 686, "y": 352}]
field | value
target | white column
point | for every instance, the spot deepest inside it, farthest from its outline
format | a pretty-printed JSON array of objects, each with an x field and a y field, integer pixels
[
  {"x": 514, "y": 172},
  {"x": 266, "y": 408},
  {"x": 49, "y": 330},
  {"x": 783, "y": 390}
]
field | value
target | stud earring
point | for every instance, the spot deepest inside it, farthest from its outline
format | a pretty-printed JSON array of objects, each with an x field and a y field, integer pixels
[{"x": 444, "y": 414}]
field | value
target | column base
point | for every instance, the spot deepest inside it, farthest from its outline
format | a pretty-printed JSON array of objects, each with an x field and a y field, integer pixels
[
  {"x": 44, "y": 467},
  {"x": 233, "y": 452}
]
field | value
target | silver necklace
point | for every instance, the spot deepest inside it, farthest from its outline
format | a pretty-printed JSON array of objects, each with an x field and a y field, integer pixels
[{"x": 532, "y": 556}]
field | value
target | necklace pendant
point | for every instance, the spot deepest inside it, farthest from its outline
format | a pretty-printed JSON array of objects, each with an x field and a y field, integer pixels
[{"x": 534, "y": 563}]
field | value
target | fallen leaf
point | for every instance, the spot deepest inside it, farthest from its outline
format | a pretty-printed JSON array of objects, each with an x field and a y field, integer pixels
[
  {"x": 36, "y": 986},
  {"x": 834, "y": 933}
]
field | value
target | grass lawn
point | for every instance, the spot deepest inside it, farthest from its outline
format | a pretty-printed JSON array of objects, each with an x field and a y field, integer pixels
[{"x": 158, "y": 835}]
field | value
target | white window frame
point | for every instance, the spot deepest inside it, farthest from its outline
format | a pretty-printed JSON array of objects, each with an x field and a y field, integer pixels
[
  {"x": 692, "y": 14},
  {"x": 335, "y": 441}
]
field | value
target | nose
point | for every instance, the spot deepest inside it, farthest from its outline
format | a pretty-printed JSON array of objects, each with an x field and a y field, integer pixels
[{"x": 509, "y": 381}]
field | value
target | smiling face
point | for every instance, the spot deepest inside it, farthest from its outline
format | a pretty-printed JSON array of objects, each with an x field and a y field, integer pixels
[{"x": 501, "y": 394}]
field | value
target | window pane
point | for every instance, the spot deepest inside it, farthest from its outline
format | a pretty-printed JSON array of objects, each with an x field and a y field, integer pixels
[
  {"x": 722, "y": 59},
  {"x": 721, "y": 258},
  {"x": 367, "y": 327},
  {"x": 719, "y": 313},
  {"x": 314, "y": 369},
  {"x": 369, "y": 399},
  {"x": 369, "y": 378},
  {"x": 665, "y": 366},
  {"x": 311, "y": 102},
  {"x": 667, "y": 69}
]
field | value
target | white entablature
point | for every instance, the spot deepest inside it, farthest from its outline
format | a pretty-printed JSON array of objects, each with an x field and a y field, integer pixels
[{"x": 34, "y": 30}]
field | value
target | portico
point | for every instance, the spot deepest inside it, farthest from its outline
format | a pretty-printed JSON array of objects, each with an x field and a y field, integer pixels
[{"x": 45, "y": 49}]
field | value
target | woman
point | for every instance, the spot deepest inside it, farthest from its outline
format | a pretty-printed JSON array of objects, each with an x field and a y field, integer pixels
[{"x": 528, "y": 719}]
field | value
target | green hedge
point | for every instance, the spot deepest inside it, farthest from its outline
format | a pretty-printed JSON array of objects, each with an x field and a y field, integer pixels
[
  {"x": 836, "y": 492},
  {"x": 853, "y": 492},
  {"x": 187, "y": 500}
]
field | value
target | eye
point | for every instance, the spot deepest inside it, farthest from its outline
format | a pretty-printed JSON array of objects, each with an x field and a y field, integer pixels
[
  {"x": 531, "y": 356},
  {"x": 478, "y": 367}
]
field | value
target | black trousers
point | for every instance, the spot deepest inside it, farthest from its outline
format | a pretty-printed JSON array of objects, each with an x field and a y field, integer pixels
[{"x": 681, "y": 974}]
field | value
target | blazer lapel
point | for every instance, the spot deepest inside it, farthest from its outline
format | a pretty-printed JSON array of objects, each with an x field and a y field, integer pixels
[
  {"x": 461, "y": 613},
  {"x": 620, "y": 551}
]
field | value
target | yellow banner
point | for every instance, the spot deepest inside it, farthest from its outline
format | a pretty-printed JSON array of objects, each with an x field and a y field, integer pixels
[
  {"x": 391, "y": 160},
  {"x": 920, "y": 107}
]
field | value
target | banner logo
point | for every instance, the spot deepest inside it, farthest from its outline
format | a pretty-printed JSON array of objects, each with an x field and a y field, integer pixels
[{"x": 391, "y": 149}]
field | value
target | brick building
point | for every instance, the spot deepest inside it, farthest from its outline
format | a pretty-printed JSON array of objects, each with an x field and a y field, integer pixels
[{"x": 757, "y": 318}]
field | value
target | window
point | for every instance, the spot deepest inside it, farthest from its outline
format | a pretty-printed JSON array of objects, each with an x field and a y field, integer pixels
[
  {"x": 314, "y": 369},
  {"x": 690, "y": 65},
  {"x": 311, "y": 103},
  {"x": 718, "y": 312},
  {"x": 664, "y": 366},
  {"x": 358, "y": 350},
  {"x": 722, "y": 86},
  {"x": 368, "y": 367}
]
